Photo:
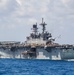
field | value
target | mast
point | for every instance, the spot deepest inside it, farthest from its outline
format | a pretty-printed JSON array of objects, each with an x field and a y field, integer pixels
[{"x": 43, "y": 24}]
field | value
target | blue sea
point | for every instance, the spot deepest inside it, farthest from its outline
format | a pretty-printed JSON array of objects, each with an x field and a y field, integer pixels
[{"x": 35, "y": 67}]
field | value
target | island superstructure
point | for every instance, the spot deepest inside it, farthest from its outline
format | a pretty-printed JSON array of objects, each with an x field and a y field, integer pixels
[{"x": 37, "y": 46}]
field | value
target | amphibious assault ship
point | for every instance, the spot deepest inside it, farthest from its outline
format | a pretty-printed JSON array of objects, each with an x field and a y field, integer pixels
[{"x": 37, "y": 46}]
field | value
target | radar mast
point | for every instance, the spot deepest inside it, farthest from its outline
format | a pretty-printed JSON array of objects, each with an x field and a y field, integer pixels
[{"x": 43, "y": 24}]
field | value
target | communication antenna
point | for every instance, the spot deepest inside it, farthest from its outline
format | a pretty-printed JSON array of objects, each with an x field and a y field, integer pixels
[{"x": 43, "y": 24}]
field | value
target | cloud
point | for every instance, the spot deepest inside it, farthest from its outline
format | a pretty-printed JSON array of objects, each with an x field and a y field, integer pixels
[
  {"x": 68, "y": 3},
  {"x": 65, "y": 1},
  {"x": 3, "y": 3},
  {"x": 19, "y": 2},
  {"x": 16, "y": 15}
]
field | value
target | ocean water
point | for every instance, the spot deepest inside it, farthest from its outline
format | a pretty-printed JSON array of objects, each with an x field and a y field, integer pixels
[{"x": 35, "y": 67}]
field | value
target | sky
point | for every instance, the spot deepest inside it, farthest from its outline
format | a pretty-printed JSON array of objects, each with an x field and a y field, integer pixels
[{"x": 18, "y": 16}]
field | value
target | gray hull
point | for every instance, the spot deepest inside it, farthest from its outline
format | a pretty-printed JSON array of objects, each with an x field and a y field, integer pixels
[{"x": 39, "y": 53}]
